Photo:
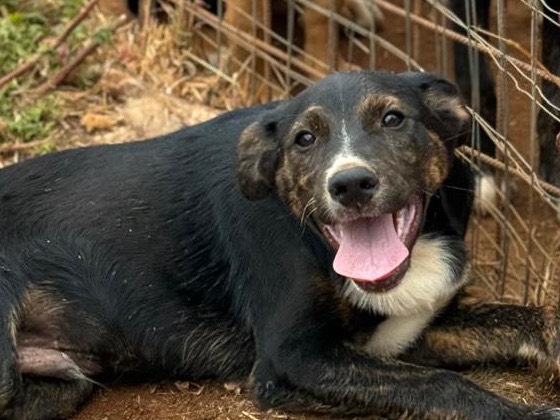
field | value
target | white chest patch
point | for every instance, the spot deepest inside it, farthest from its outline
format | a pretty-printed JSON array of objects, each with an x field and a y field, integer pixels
[{"x": 425, "y": 289}]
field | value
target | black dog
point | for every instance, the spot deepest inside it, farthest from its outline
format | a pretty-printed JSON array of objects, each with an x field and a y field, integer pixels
[{"x": 209, "y": 253}]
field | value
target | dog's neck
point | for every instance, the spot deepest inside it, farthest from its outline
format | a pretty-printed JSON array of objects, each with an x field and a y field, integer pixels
[{"x": 433, "y": 279}]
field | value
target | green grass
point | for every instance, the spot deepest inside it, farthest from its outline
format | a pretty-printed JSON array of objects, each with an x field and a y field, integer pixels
[
  {"x": 25, "y": 25},
  {"x": 20, "y": 34},
  {"x": 33, "y": 122}
]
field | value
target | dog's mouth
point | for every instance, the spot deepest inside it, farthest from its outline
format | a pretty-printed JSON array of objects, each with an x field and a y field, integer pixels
[{"x": 375, "y": 251}]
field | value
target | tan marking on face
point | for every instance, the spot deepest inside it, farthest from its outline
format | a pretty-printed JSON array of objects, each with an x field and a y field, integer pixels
[
  {"x": 372, "y": 108},
  {"x": 437, "y": 164},
  {"x": 295, "y": 176},
  {"x": 294, "y": 185},
  {"x": 314, "y": 119}
]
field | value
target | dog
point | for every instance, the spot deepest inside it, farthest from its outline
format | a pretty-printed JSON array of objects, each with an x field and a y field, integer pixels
[{"x": 312, "y": 246}]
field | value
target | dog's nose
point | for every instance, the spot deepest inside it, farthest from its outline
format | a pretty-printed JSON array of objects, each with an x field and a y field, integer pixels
[{"x": 352, "y": 187}]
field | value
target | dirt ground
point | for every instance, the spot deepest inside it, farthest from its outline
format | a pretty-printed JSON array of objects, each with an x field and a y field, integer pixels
[{"x": 145, "y": 112}]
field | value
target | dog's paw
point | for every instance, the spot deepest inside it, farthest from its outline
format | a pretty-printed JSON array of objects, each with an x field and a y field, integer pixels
[{"x": 486, "y": 194}]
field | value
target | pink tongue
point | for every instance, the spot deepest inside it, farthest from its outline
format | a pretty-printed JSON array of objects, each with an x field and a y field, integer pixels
[{"x": 370, "y": 249}]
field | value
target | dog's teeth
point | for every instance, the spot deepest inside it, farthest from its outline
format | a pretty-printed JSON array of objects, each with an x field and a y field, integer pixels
[{"x": 399, "y": 219}]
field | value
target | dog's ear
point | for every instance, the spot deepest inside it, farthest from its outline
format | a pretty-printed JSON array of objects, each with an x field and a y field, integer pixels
[
  {"x": 447, "y": 115},
  {"x": 257, "y": 159}
]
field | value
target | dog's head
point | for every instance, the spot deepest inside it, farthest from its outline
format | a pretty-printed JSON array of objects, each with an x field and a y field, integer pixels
[{"x": 358, "y": 155}]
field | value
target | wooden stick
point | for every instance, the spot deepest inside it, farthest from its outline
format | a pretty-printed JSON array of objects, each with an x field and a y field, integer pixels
[
  {"x": 82, "y": 54},
  {"x": 467, "y": 151},
  {"x": 492, "y": 52},
  {"x": 67, "y": 69},
  {"x": 17, "y": 147},
  {"x": 29, "y": 64}
]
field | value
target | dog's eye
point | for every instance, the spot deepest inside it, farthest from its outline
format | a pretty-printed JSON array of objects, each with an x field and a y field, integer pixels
[
  {"x": 392, "y": 119},
  {"x": 305, "y": 139}
]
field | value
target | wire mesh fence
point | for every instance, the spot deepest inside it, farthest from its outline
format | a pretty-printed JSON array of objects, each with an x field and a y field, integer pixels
[{"x": 505, "y": 56}]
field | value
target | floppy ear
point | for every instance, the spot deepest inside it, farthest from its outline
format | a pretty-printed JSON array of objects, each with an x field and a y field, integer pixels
[
  {"x": 447, "y": 116},
  {"x": 257, "y": 159}
]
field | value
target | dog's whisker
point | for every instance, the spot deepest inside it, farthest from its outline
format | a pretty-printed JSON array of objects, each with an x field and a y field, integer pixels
[
  {"x": 451, "y": 187},
  {"x": 455, "y": 136},
  {"x": 308, "y": 210},
  {"x": 303, "y": 213}
]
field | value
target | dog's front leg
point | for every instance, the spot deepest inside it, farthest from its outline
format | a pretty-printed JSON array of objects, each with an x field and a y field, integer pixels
[
  {"x": 467, "y": 335},
  {"x": 312, "y": 370}
]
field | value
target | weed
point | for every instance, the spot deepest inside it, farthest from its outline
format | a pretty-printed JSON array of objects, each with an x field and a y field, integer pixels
[{"x": 26, "y": 26}]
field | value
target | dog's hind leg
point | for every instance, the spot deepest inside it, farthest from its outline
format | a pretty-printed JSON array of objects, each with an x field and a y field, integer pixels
[
  {"x": 33, "y": 397},
  {"x": 45, "y": 398},
  {"x": 467, "y": 335},
  {"x": 46, "y": 336}
]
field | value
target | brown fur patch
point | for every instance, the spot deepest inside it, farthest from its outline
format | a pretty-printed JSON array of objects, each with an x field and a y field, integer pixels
[
  {"x": 466, "y": 344},
  {"x": 255, "y": 163},
  {"x": 314, "y": 119},
  {"x": 472, "y": 296},
  {"x": 295, "y": 187},
  {"x": 6, "y": 382},
  {"x": 40, "y": 312},
  {"x": 295, "y": 175},
  {"x": 437, "y": 164},
  {"x": 372, "y": 108}
]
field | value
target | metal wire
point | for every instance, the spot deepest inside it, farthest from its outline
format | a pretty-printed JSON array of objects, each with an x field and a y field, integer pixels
[{"x": 514, "y": 250}]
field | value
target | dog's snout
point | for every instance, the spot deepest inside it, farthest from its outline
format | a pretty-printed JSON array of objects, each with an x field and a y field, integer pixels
[{"x": 354, "y": 186}]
